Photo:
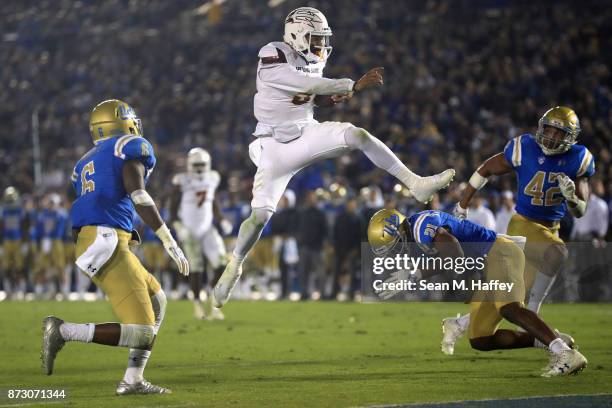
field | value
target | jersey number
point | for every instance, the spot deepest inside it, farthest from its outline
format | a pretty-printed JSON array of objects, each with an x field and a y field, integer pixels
[
  {"x": 201, "y": 195},
  {"x": 535, "y": 190},
  {"x": 87, "y": 185}
]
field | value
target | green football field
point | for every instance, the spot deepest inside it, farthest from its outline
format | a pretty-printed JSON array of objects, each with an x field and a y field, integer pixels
[{"x": 311, "y": 354}]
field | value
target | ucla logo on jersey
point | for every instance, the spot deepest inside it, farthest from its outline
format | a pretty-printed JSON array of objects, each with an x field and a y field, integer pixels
[
  {"x": 392, "y": 225},
  {"x": 541, "y": 160}
]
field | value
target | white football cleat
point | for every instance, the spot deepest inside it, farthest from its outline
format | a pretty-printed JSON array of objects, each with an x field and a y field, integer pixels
[
  {"x": 216, "y": 314},
  {"x": 142, "y": 387},
  {"x": 223, "y": 289},
  {"x": 452, "y": 332},
  {"x": 565, "y": 363},
  {"x": 567, "y": 339},
  {"x": 424, "y": 188}
]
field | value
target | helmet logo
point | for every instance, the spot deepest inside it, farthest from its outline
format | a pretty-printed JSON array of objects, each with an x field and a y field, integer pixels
[
  {"x": 306, "y": 16},
  {"x": 126, "y": 112},
  {"x": 391, "y": 225}
]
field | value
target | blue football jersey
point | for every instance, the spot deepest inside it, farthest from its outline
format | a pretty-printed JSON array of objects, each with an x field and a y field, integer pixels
[
  {"x": 475, "y": 239},
  {"x": 98, "y": 182},
  {"x": 539, "y": 196},
  {"x": 12, "y": 222},
  {"x": 52, "y": 223}
]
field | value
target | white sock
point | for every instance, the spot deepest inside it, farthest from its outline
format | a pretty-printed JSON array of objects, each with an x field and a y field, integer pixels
[
  {"x": 557, "y": 346},
  {"x": 136, "y": 364},
  {"x": 464, "y": 321},
  {"x": 539, "y": 290},
  {"x": 78, "y": 332}
]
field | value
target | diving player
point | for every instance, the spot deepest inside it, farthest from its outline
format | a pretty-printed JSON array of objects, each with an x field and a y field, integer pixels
[
  {"x": 553, "y": 173},
  {"x": 193, "y": 208},
  {"x": 110, "y": 184},
  {"x": 438, "y": 234},
  {"x": 12, "y": 231},
  {"x": 290, "y": 84}
]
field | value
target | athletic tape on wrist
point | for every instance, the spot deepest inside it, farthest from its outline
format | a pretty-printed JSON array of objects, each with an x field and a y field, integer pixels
[
  {"x": 164, "y": 235},
  {"x": 477, "y": 181}
]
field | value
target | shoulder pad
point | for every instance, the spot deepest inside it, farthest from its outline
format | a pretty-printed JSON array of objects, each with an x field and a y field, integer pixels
[{"x": 130, "y": 147}]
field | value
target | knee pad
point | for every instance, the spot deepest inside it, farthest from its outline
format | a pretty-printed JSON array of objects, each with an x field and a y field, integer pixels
[
  {"x": 138, "y": 336},
  {"x": 261, "y": 216},
  {"x": 159, "y": 303},
  {"x": 356, "y": 137}
]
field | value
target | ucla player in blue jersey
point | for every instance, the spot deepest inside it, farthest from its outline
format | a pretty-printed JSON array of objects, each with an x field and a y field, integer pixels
[
  {"x": 438, "y": 234},
  {"x": 552, "y": 173},
  {"x": 12, "y": 231},
  {"x": 51, "y": 263},
  {"x": 110, "y": 185}
]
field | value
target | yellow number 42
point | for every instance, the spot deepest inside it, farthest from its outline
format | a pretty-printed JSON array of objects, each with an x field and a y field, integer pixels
[{"x": 535, "y": 189}]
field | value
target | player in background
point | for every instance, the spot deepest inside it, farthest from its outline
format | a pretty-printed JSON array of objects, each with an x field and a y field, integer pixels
[
  {"x": 290, "y": 84},
  {"x": 553, "y": 177},
  {"x": 438, "y": 234},
  {"x": 51, "y": 263},
  {"x": 33, "y": 238},
  {"x": 68, "y": 245},
  {"x": 13, "y": 228},
  {"x": 193, "y": 211},
  {"x": 109, "y": 181}
]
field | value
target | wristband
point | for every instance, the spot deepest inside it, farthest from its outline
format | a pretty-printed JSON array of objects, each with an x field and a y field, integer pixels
[
  {"x": 164, "y": 235},
  {"x": 477, "y": 181}
]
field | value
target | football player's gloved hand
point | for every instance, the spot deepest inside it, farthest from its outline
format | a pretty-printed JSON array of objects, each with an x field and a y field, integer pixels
[
  {"x": 411, "y": 275},
  {"x": 173, "y": 249},
  {"x": 226, "y": 226},
  {"x": 460, "y": 212},
  {"x": 568, "y": 188},
  {"x": 371, "y": 78}
]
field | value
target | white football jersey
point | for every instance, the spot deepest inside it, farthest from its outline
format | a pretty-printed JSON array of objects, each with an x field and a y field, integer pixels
[
  {"x": 281, "y": 74},
  {"x": 197, "y": 194}
]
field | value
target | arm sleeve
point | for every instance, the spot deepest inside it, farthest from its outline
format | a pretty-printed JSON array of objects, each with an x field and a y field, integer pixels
[
  {"x": 132, "y": 147},
  {"x": 283, "y": 76}
]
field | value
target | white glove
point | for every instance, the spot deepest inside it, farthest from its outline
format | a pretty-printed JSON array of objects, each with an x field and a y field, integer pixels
[
  {"x": 568, "y": 188},
  {"x": 460, "y": 212},
  {"x": 173, "y": 249},
  {"x": 226, "y": 226},
  {"x": 411, "y": 275}
]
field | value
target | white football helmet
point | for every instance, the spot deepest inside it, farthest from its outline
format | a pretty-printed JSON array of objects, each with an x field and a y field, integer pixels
[
  {"x": 301, "y": 25},
  {"x": 198, "y": 161}
]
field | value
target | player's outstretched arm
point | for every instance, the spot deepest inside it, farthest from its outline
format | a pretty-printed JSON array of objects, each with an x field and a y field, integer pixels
[
  {"x": 494, "y": 166},
  {"x": 133, "y": 181}
]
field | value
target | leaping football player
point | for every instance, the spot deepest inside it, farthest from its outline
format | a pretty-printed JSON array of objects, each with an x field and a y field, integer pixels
[
  {"x": 193, "y": 208},
  {"x": 290, "y": 84},
  {"x": 553, "y": 177},
  {"x": 438, "y": 234},
  {"x": 110, "y": 185}
]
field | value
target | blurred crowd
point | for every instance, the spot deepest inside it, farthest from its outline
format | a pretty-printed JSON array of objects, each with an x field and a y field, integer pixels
[{"x": 461, "y": 78}]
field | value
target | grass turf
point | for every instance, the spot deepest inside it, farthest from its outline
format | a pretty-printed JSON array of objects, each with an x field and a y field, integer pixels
[{"x": 300, "y": 354}]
